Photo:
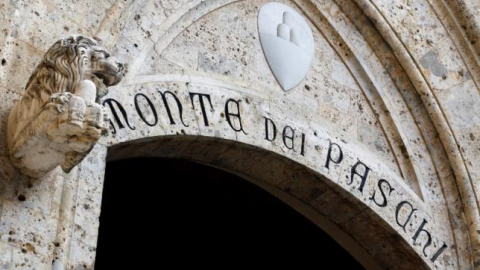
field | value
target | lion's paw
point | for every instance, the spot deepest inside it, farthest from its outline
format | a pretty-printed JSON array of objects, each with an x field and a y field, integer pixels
[{"x": 60, "y": 98}]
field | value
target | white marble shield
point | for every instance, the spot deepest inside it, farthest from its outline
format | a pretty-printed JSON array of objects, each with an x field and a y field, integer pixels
[{"x": 287, "y": 42}]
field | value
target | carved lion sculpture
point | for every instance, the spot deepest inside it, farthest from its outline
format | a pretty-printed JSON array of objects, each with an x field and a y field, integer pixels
[{"x": 57, "y": 121}]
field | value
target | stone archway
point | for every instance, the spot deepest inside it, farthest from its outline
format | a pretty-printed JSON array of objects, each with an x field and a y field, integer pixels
[
  {"x": 353, "y": 123},
  {"x": 190, "y": 214},
  {"x": 356, "y": 227},
  {"x": 385, "y": 122}
]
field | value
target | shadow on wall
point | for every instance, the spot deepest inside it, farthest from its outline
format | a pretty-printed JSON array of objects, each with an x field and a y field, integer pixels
[{"x": 159, "y": 212}]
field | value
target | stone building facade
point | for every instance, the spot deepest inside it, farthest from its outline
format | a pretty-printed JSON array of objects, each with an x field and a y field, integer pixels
[{"x": 378, "y": 144}]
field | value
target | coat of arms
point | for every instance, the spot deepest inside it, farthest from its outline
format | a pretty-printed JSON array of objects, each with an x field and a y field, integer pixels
[{"x": 287, "y": 42}]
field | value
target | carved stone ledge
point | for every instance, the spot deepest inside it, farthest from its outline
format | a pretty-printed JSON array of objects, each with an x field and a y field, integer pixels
[{"x": 57, "y": 122}]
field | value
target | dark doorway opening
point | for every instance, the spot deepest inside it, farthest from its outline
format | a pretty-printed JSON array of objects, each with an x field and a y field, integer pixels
[{"x": 161, "y": 212}]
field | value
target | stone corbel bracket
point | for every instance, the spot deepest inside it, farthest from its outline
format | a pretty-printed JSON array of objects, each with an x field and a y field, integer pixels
[{"x": 57, "y": 121}]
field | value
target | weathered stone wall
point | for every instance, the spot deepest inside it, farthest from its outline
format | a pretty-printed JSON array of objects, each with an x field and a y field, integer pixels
[{"x": 392, "y": 95}]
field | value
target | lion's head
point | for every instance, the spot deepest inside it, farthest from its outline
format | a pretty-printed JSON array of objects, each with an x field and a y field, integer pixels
[{"x": 69, "y": 61}]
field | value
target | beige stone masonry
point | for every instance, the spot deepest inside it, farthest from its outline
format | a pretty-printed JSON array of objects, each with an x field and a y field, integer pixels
[{"x": 378, "y": 146}]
